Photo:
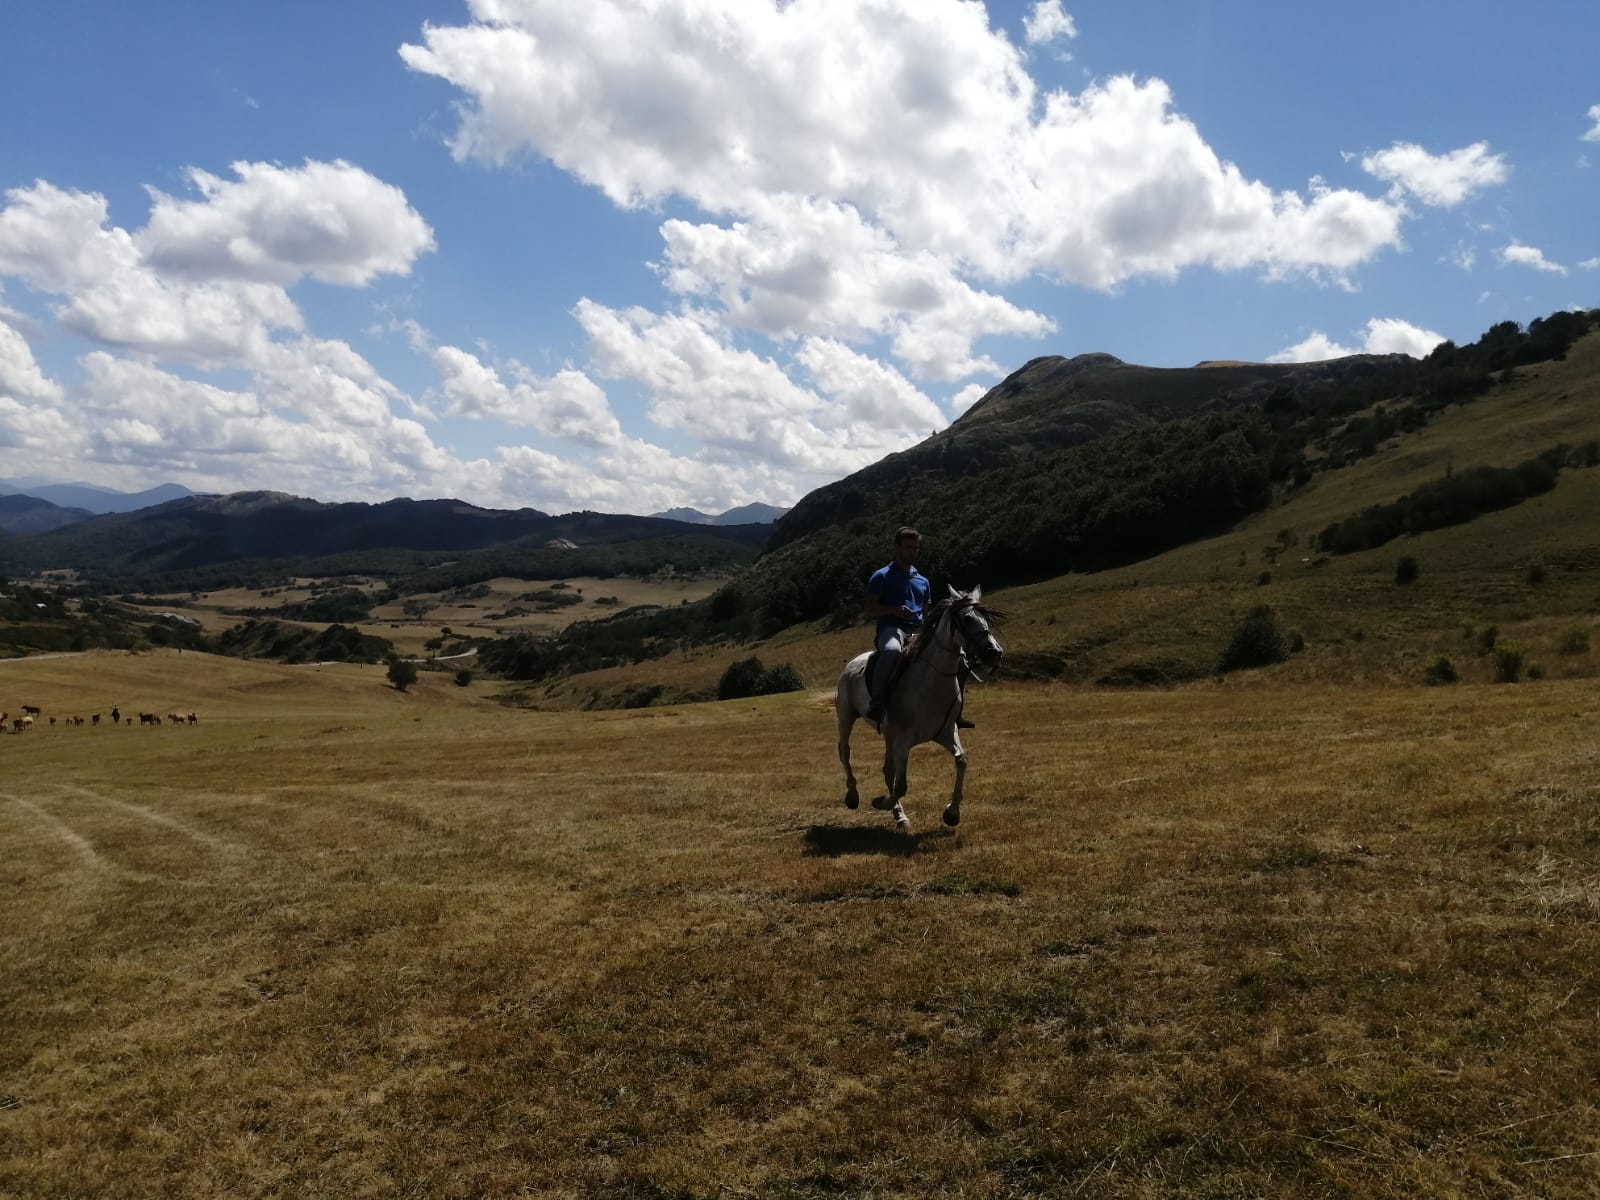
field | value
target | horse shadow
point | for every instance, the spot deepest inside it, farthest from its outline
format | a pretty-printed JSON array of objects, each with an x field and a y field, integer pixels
[{"x": 832, "y": 841}]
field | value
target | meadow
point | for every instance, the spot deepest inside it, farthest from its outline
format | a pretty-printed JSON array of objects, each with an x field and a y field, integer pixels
[
  {"x": 1264, "y": 935},
  {"x": 502, "y": 607}
]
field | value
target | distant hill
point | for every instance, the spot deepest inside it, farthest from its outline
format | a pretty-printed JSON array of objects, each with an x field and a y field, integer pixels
[
  {"x": 29, "y": 514},
  {"x": 93, "y": 499},
  {"x": 393, "y": 538},
  {"x": 746, "y": 514}
]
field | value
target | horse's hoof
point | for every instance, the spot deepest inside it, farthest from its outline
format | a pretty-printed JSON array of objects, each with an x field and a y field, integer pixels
[
  {"x": 851, "y": 800},
  {"x": 903, "y": 824},
  {"x": 952, "y": 817},
  {"x": 883, "y": 803}
]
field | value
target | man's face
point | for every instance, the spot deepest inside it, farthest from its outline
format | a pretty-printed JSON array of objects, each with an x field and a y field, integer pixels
[{"x": 906, "y": 550}]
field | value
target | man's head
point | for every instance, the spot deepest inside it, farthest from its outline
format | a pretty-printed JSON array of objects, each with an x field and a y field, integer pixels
[{"x": 907, "y": 542}]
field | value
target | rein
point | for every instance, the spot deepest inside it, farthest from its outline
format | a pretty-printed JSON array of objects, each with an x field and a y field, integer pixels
[{"x": 952, "y": 646}]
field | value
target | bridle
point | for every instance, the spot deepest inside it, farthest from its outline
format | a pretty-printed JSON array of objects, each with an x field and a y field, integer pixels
[{"x": 954, "y": 643}]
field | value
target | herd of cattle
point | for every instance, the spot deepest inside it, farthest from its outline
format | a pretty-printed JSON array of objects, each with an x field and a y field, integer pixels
[{"x": 32, "y": 712}]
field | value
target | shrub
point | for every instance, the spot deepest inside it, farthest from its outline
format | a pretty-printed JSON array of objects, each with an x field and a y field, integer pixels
[
  {"x": 1574, "y": 640},
  {"x": 1264, "y": 578},
  {"x": 740, "y": 679},
  {"x": 1406, "y": 571},
  {"x": 1256, "y": 642},
  {"x": 1535, "y": 671},
  {"x": 1487, "y": 637},
  {"x": 402, "y": 673},
  {"x": 643, "y": 696},
  {"x": 1508, "y": 663},
  {"x": 781, "y": 678},
  {"x": 463, "y": 677},
  {"x": 1440, "y": 671},
  {"x": 1537, "y": 573},
  {"x": 748, "y": 677}
]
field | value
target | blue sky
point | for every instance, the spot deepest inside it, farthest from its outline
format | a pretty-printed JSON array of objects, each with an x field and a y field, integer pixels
[{"x": 631, "y": 255}]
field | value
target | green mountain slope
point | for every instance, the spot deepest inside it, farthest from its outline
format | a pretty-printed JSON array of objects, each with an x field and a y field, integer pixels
[{"x": 1084, "y": 464}]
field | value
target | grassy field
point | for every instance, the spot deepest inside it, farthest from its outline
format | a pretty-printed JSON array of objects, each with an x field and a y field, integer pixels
[
  {"x": 1266, "y": 937},
  {"x": 479, "y": 616}
]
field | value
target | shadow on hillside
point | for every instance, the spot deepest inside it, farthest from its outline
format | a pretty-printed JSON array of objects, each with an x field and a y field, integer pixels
[{"x": 830, "y": 841}]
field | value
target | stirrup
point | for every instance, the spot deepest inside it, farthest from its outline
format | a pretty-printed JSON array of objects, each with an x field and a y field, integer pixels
[{"x": 963, "y": 723}]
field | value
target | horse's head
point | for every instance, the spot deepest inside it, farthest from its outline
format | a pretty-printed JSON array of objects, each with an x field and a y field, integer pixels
[{"x": 973, "y": 624}]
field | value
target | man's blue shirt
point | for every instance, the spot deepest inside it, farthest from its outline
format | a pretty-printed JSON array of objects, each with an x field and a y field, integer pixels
[{"x": 894, "y": 587}]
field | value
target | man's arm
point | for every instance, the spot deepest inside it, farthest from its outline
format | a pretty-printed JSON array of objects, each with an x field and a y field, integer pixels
[{"x": 874, "y": 608}]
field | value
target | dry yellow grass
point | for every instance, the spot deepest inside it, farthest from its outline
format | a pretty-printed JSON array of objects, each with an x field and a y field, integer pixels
[
  {"x": 1235, "y": 940},
  {"x": 219, "y": 610}
]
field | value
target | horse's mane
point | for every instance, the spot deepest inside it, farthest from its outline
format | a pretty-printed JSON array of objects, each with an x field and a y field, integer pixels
[{"x": 937, "y": 612}]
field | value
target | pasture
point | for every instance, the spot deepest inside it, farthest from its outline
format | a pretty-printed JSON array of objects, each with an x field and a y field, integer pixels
[
  {"x": 497, "y": 608},
  {"x": 1259, "y": 937}
]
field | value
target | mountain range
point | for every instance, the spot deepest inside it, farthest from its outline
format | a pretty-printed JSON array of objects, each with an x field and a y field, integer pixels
[
  {"x": 91, "y": 498},
  {"x": 198, "y": 531},
  {"x": 746, "y": 514},
  {"x": 34, "y": 506}
]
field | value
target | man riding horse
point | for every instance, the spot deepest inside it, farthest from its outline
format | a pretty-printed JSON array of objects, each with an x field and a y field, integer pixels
[
  {"x": 926, "y": 703},
  {"x": 897, "y": 594}
]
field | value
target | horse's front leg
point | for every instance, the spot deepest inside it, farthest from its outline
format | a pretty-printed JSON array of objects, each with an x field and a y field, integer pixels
[
  {"x": 952, "y": 743},
  {"x": 896, "y": 753}
]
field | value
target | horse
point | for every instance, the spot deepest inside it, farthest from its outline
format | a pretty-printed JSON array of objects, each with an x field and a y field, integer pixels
[{"x": 926, "y": 701}]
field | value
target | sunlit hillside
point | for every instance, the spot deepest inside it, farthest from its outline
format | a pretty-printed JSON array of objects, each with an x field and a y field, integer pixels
[{"x": 1529, "y": 570}]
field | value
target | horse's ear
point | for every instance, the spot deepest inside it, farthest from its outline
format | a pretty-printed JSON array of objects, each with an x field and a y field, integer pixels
[
  {"x": 977, "y": 594},
  {"x": 954, "y": 595}
]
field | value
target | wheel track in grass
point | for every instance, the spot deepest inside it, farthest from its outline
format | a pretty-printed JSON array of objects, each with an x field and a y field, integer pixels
[
  {"x": 52, "y": 829},
  {"x": 164, "y": 820}
]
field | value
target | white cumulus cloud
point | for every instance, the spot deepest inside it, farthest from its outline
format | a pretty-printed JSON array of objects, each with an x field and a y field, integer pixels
[
  {"x": 743, "y": 406},
  {"x": 914, "y": 114},
  {"x": 329, "y": 220},
  {"x": 810, "y": 267},
  {"x": 204, "y": 282},
  {"x": 1441, "y": 180},
  {"x": 1593, "y": 135},
  {"x": 568, "y": 405},
  {"x": 1046, "y": 22},
  {"x": 20, "y": 374},
  {"x": 1383, "y": 335},
  {"x": 1529, "y": 256}
]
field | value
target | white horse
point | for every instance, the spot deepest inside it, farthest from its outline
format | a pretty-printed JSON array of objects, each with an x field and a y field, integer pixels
[{"x": 926, "y": 701}]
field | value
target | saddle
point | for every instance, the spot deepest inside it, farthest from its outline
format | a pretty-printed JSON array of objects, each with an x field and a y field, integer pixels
[
  {"x": 872, "y": 673},
  {"x": 899, "y": 669}
]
